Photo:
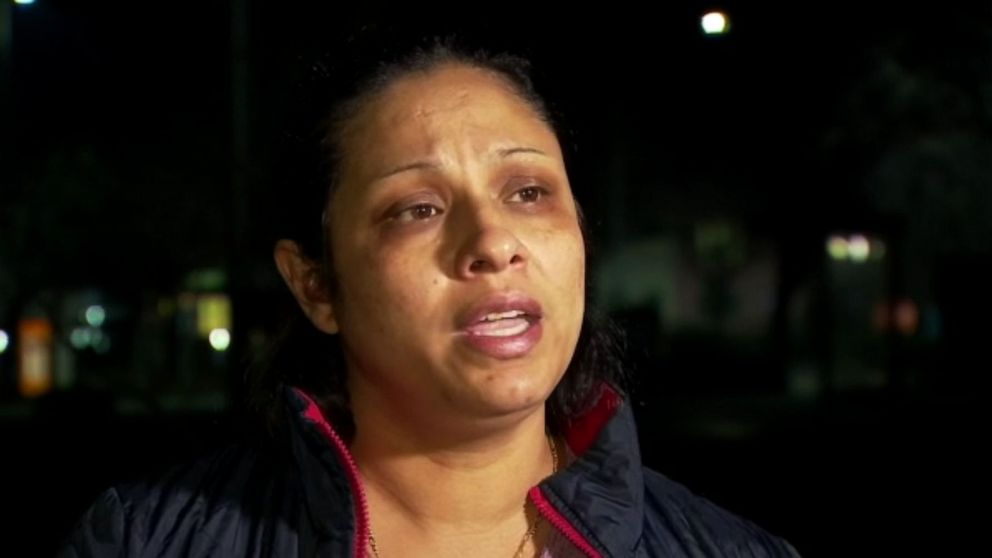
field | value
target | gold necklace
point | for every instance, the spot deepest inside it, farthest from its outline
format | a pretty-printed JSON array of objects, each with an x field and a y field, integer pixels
[{"x": 530, "y": 530}]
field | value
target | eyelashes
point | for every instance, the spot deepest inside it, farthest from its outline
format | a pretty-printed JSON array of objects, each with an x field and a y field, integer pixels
[
  {"x": 528, "y": 196},
  {"x": 416, "y": 212}
]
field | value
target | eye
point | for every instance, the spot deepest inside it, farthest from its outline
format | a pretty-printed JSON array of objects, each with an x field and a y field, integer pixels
[
  {"x": 529, "y": 194},
  {"x": 418, "y": 212}
]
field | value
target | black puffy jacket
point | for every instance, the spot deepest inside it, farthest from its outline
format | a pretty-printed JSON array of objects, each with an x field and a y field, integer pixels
[{"x": 309, "y": 502}]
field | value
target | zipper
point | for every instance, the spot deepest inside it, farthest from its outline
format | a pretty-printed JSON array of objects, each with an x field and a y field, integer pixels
[
  {"x": 351, "y": 471},
  {"x": 558, "y": 521},
  {"x": 536, "y": 496}
]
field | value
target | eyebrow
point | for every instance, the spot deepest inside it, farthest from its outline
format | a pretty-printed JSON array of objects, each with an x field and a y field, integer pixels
[
  {"x": 428, "y": 165},
  {"x": 419, "y": 165},
  {"x": 504, "y": 153}
]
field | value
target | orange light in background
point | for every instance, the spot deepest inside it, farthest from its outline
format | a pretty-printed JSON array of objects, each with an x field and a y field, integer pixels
[
  {"x": 906, "y": 317},
  {"x": 34, "y": 373}
]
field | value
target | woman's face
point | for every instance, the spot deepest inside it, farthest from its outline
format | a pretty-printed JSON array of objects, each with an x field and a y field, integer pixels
[{"x": 456, "y": 244}]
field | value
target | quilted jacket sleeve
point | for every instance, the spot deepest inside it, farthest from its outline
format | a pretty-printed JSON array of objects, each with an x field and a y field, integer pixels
[{"x": 99, "y": 533}]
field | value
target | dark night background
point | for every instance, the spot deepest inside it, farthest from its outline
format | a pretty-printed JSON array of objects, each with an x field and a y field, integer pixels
[{"x": 793, "y": 221}]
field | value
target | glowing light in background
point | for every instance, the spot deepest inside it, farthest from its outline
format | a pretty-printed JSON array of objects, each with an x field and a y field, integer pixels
[
  {"x": 34, "y": 347},
  {"x": 80, "y": 337},
  {"x": 858, "y": 248},
  {"x": 4, "y": 341},
  {"x": 95, "y": 315},
  {"x": 837, "y": 247},
  {"x": 101, "y": 342},
  {"x": 24, "y": 2},
  {"x": 907, "y": 317},
  {"x": 213, "y": 311},
  {"x": 220, "y": 339},
  {"x": 714, "y": 23}
]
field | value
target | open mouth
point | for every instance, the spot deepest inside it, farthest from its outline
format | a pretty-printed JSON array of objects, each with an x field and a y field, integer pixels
[{"x": 502, "y": 324}]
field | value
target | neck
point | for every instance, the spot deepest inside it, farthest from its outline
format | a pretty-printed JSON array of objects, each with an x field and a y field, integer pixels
[
  {"x": 458, "y": 481},
  {"x": 445, "y": 488}
]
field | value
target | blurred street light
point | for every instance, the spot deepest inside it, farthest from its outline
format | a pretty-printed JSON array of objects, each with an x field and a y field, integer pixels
[
  {"x": 220, "y": 339},
  {"x": 715, "y": 23}
]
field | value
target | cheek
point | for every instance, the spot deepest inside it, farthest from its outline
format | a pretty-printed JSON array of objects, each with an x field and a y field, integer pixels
[
  {"x": 565, "y": 257},
  {"x": 573, "y": 263},
  {"x": 560, "y": 257},
  {"x": 391, "y": 287}
]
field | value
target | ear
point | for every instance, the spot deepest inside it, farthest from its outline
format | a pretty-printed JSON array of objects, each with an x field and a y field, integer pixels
[{"x": 302, "y": 276}]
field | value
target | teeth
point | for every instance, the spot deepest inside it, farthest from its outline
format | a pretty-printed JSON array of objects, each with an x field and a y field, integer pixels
[
  {"x": 502, "y": 315},
  {"x": 509, "y": 332}
]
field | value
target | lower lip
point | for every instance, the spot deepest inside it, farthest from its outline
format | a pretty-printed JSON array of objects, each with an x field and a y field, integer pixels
[{"x": 504, "y": 348}]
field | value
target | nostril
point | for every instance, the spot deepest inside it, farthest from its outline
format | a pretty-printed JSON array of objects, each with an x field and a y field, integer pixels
[
  {"x": 516, "y": 259},
  {"x": 477, "y": 265}
]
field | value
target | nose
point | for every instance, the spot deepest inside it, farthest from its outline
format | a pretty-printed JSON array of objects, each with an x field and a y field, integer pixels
[{"x": 490, "y": 246}]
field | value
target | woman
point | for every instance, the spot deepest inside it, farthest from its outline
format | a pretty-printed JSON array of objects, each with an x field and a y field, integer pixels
[{"x": 458, "y": 417}]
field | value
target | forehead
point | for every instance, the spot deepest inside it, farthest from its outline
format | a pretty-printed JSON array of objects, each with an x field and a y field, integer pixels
[
  {"x": 453, "y": 104},
  {"x": 446, "y": 89}
]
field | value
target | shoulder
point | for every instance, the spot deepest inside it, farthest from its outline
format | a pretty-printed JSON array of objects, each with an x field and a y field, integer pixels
[
  {"x": 217, "y": 495},
  {"x": 699, "y": 527},
  {"x": 215, "y": 477}
]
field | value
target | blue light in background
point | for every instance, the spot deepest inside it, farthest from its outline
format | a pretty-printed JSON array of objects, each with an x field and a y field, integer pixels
[{"x": 95, "y": 315}]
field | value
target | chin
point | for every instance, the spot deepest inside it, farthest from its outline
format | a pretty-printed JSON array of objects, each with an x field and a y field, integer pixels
[{"x": 505, "y": 398}]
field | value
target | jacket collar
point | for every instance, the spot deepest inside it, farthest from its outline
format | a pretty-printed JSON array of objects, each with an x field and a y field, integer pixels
[
  {"x": 601, "y": 493},
  {"x": 330, "y": 502}
]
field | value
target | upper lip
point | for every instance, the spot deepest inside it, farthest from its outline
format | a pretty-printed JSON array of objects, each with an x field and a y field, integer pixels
[{"x": 497, "y": 303}]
